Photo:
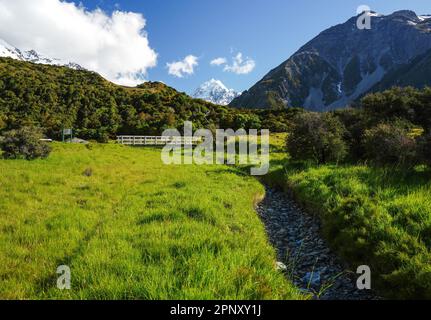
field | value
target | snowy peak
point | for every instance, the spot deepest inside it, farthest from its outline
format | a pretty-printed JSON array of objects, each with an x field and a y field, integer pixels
[
  {"x": 214, "y": 84},
  {"x": 216, "y": 92},
  {"x": 8, "y": 51}
]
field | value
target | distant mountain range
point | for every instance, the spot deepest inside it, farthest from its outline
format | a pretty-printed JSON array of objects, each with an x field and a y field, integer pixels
[
  {"x": 9, "y": 51},
  {"x": 343, "y": 63},
  {"x": 216, "y": 92}
]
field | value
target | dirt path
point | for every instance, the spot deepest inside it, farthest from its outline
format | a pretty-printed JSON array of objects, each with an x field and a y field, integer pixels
[{"x": 303, "y": 254}]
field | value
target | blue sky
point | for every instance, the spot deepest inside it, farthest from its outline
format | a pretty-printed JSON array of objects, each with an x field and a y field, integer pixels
[{"x": 266, "y": 31}]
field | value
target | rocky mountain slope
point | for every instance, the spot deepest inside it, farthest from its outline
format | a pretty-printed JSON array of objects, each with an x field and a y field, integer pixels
[
  {"x": 417, "y": 73},
  {"x": 343, "y": 63},
  {"x": 216, "y": 92}
]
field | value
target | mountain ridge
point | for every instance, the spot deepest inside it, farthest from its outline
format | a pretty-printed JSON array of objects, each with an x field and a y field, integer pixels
[
  {"x": 342, "y": 63},
  {"x": 9, "y": 51}
]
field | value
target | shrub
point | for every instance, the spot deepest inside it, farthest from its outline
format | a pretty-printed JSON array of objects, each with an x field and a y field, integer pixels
[
  {"x": 317, "y": 137},
  {"x": 389, "y": 144},
  {"x": 24, "y": 143}
]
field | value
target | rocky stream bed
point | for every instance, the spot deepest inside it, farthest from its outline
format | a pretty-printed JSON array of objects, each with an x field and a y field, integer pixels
[{"x": 303, "y": 255}]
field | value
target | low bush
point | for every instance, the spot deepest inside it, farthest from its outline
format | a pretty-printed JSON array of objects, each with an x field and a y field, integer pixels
[
  {"x": 389, "y": 144},
  {"x": 24, "y": 143}
]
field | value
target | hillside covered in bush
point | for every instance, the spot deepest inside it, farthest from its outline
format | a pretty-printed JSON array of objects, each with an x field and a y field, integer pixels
[{"x": 56, "y": 97}]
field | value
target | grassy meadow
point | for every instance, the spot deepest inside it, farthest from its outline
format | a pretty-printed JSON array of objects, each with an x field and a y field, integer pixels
[
  {"x": 130, "y": 227},
  {"x": 380, "y": 217}
]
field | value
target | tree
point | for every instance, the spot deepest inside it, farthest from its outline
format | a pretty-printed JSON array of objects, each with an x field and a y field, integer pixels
[
  {"x": 355, "y": 122},
  {"x": 317, "y": 137}
]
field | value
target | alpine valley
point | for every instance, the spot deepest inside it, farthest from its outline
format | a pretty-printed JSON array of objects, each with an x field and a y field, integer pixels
[{"x": 121, "y": 211}]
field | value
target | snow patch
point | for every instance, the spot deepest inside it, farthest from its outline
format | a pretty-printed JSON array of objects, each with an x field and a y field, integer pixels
[
  {"x": 375, "y": 14},
  {"x": 340, "y": 91},
  {"x": 424, "y": 17}
]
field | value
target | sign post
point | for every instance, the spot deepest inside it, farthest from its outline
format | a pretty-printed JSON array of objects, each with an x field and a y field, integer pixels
[{"x": 67, "y": 132}]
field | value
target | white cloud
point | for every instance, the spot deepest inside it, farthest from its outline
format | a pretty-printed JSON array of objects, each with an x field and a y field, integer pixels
[
  {"x": 218, "y": 61},
  {"x": 240, "y": 65},
  {"x": 116, "y": 46},
  {"x": 183, "y": 67}
]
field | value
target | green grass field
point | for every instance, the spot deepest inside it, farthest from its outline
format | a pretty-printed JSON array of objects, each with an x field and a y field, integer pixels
[
  {"x": 380, "y": 217},
  {"x": 131, "y": 227}
]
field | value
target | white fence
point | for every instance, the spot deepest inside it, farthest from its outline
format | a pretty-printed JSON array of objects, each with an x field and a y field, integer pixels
[{"x": 156, "y": 141}]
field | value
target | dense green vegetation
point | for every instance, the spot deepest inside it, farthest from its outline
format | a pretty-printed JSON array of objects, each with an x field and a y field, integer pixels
[
  {"x": 59, "y": 97},
  {"x": 389, "y": 128},
  {"x": 131, "y": 227},
  {"x": 375, "y": 204}
]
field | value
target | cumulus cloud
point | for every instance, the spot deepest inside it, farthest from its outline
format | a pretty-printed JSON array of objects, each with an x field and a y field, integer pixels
[
  {"x": 184, "y": 67},
  {"x": 218, "y": 61},
  {"x": 116, "y": 45},
  {"x": 240, "y": 65}
]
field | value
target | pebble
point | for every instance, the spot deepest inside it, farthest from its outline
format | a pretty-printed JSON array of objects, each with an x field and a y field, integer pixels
[
  {"x": 312, "y": 279},
  {"x": 280, "y": 266}
]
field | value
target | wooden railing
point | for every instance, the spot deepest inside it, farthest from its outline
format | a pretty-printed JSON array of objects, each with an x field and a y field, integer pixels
[{"x": 156, "y": 141}]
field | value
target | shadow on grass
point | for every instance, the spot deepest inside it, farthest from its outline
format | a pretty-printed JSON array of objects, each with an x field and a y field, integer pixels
[
  {"x": 160, "y": 217},
  {"x": 239, "y": 171}
]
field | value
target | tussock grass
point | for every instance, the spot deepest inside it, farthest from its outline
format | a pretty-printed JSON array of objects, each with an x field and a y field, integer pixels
[
  {"x": 376, "y": 217},
  {"x": 131, "y": 227}
]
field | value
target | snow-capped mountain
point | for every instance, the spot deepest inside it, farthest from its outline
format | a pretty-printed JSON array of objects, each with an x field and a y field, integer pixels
[
  {"x": 216, "y": 92},
  {"x": 9, "y": 51}
]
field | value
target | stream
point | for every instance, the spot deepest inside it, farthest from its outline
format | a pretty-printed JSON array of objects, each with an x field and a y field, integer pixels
[{"x": 303, "y": 255}]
